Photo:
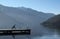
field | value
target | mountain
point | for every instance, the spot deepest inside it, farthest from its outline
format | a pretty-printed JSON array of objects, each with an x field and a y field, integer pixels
[
  {"x": 26, "y": 18},
  {"x": 53, "y": 22},
  {"x": 6, "y": 21}
]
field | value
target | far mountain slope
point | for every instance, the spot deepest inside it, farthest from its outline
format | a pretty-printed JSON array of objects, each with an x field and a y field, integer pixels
[{"x": 53, "y": 22}]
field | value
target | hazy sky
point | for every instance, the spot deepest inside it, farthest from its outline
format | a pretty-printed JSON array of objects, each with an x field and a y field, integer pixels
[{"x": 49, "y": 6}]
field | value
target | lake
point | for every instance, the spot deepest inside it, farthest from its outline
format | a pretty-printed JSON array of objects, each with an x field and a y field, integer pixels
[{"x": 37, "y": 37}]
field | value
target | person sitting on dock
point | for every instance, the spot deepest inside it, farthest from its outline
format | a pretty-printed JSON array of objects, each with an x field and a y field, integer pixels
[{"x": 14, "y": 27}]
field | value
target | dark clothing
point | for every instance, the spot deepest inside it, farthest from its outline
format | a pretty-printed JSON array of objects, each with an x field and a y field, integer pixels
[{"x": 13, "y": 27}]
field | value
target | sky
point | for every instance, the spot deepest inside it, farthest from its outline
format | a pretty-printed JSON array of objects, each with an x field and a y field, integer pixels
[{"x": 47, "y": 6}]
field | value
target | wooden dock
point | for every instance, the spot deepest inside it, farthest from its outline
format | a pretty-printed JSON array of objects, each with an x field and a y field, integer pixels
[{"x": 14, "y": 32}]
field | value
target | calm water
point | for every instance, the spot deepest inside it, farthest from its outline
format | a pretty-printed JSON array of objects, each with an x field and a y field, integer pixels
[
  {"x": 37, "y": 29},
  {"x": 48, "y": 37},
  {"x": 37, "y": 37}
]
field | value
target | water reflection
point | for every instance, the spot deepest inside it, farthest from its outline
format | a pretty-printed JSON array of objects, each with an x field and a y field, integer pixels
[
  {"x": 37, "y": 37},
  {"x": 48, "y": 37}
]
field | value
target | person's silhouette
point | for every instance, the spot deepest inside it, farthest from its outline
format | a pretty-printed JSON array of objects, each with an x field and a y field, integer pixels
[{"x": 14, "y": 27}]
